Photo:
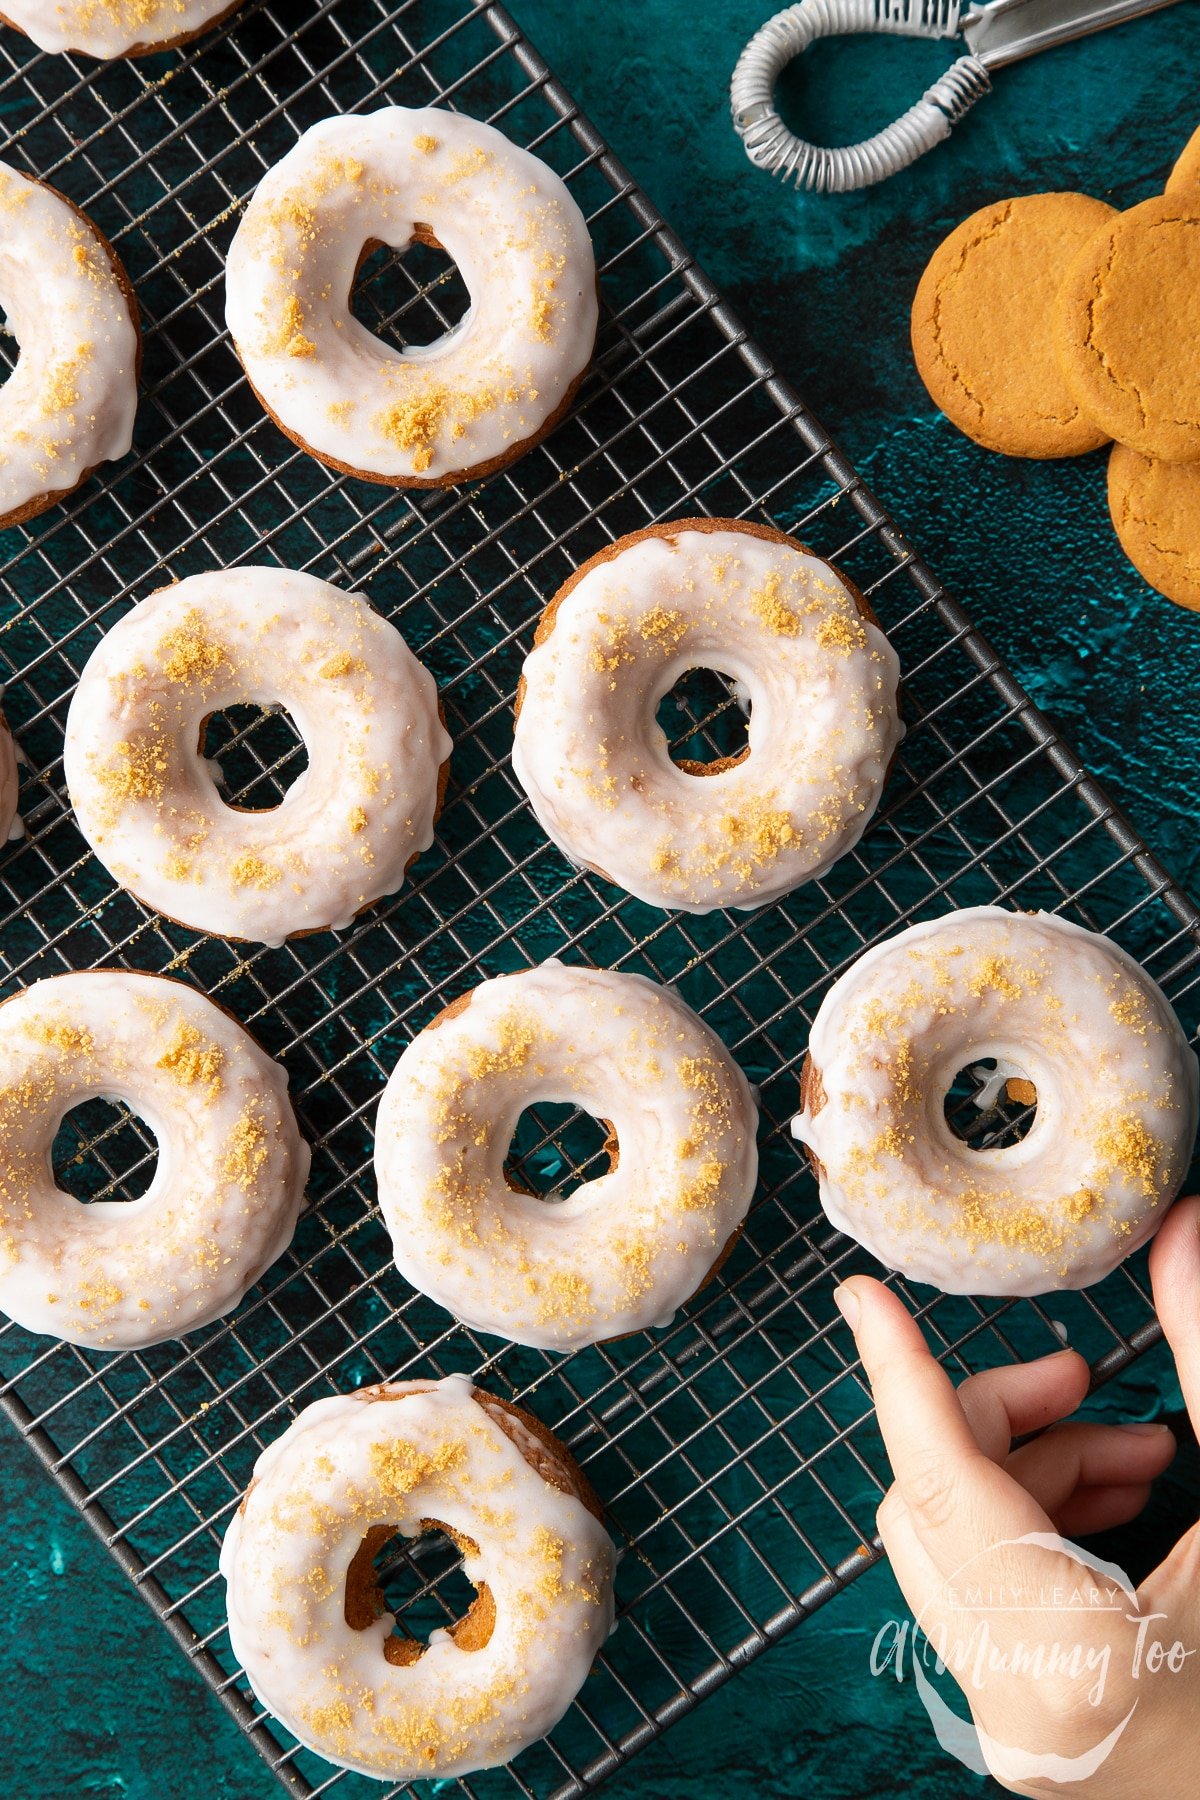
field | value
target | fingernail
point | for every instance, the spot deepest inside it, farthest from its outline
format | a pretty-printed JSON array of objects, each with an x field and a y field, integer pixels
[
  {"x": 849, "y": 1305},
  {"x": 1148, "y": 1429}
]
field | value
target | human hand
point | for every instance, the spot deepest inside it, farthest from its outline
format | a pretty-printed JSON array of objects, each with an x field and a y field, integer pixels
[{"x": 1122, "y": 1707}]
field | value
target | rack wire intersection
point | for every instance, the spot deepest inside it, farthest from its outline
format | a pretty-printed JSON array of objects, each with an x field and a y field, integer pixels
[{"x": 735, "y": 1449}]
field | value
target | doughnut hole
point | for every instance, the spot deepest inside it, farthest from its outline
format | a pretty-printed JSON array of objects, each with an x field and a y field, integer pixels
[
  {"x": 10, "y": 348},
  {"x": 409, "y": 297},
  {"x": 258, "y": 752},
  {"x": 102, "y": 1151},
  {"x": 422, "y": 1583},
  {"x": 995, "y": 1120},
  {"x": 706, "y": 722},
  {"x": 556, "y": 1148}
]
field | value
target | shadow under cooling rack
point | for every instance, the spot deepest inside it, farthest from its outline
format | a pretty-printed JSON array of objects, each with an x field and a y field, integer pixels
[{"x": 736, "y": 1449}]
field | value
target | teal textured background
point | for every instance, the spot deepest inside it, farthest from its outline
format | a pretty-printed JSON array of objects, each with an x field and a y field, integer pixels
[{"x": 101, "y": 1706}]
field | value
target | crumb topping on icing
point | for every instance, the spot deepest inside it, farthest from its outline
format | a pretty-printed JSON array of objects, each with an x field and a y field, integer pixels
[
  {"x": 770, "y": 605},
  {"x": 192, "y": 1060},
  {"x": 189, "y": 653},
  {"x": 627, "y": 1245},
  {"x": 818, "y": 683},
  {"x": 249, "y": 869},
  {"x": 1070, "y": 1026},
  {"x": 185, "y": 1251},
  {"x": 475, "y": 394},
  {"x": 540, "y": 1562},
  {"x": 248, "y": 1146}
]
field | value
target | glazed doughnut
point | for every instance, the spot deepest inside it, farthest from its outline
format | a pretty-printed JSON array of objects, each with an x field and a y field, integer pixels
[
  {"x": 108, "y": 28},
  {"x": 431, "y": 414},
  {"x": 822, "y": 680},
  {"x": 627, "y": 1248},
  {"x": 70, "y": 402},
  {"x": 10, "y": 783},
  {"x": 306, "y": 1615},
  {"x": 231, "y": 1162},
  {"x": 145, "y": 796},
  {"x": 1071, "y": 1021}
]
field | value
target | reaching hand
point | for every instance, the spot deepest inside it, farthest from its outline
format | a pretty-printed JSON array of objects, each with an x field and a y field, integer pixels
[{"x": 1120, "y": 1713}]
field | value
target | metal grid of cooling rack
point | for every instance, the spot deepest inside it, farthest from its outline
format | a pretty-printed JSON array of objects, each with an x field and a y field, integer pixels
[{"x": 735, "y": 1449}]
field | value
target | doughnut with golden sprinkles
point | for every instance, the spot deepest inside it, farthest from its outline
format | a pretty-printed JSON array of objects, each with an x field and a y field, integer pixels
[
  {"x": 1073, "y": 1023},
  {"x": 110, "y": 28},
  {"x": 485, "y": 391},
  {"x": 824, "y": 723},
  {"x": 225, "y": 1195},
  {"x": 69, "y": 404},
  {"x": 147, "y": 800},
  {"x": 627, "y": 1248},
  {"x": 307, "y": 1620}
]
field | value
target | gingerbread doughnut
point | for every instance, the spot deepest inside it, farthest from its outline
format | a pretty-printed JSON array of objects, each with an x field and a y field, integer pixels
[
  {"x": 146, "y": 797},
  {"x": 628, "y": 1247},
  {"x": 431, "y": 414},
  {"x": 69, "y": 404},
  {"x": 308, "y": 1622},
  {"x": 1082, "y": 1030},
  {"x": 231, "y": 1170},
  {"x": 822, "y": 683}
]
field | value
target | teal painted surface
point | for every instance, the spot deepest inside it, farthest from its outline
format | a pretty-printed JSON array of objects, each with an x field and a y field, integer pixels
[{"x": 103, "y": 1706}]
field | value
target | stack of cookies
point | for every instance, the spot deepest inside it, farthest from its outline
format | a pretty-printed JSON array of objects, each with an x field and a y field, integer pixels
[{"x": 1051, "y": 324}]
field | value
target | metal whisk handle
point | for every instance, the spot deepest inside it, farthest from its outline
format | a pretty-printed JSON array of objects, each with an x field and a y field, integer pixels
[{"x": 769, "y": 143}]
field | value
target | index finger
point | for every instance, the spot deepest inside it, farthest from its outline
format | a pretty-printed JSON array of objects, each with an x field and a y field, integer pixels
[
  {"x": 1175, "y": 1280},
  {"x": 961, "y": 1503}
]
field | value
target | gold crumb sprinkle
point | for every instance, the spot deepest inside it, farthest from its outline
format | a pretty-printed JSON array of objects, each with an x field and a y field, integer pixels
[
  {"x": 771, "y": 607},
  {"x": 842, "y": 631},
  {"x": 246, "y": 1151},
  {"x": 399, "y": 1466},
  {"x": 61, "y": 1035},
  {"x": 136, "y": 769},
  {"x": 289, "y": 339},
  {"x": 252, "y": 870},
  {"x": 193, "y": 1061},
  {"x": 1133, "y": 1151},
  {"x": 99, "y": 1296},
  {"x": 517, "y": 1035},
  {"x": 188, "y": 654},
  {"x": 341, "y": 663}
]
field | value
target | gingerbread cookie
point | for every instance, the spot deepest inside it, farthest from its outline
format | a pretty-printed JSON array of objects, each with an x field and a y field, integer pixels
[
  {"x": 981, "y": 325},
  {"x": 1186, "y": 173},
  {"x": 1155, "y": 507},
  {"x": 1127, "y": 323}
]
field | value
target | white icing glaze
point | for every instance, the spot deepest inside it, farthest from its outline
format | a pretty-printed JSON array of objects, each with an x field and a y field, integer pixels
[
  {"x": 1071, "y": 1012},
  {"x": 10, "y": 784},
  {"x": 396, "y": 1457},
  {"x": 106, "y": 28},
  {"x": 823, "y": 726},
  {"x": 69, "y": 404},
  {"x": 146, "y": 798},
  {"x": 231, "y": 1162},
  {"x": 627, "y": 1248},
  {"x": 431, "y": 412}
]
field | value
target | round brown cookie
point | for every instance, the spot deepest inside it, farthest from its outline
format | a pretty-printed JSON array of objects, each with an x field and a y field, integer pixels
[
  {"x": 1155, "y": 507},
  {"x": 981, "y": 325},
  {"x": 1127, "y": 327},
  {"x": 1186, "y": 173}
]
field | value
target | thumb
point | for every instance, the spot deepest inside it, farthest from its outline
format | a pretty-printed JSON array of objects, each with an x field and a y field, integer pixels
[{"x": 1175, "y": 1278}]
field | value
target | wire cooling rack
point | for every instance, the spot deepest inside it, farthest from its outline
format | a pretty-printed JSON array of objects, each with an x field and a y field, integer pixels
[{"x": 736, "y": 1449}]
